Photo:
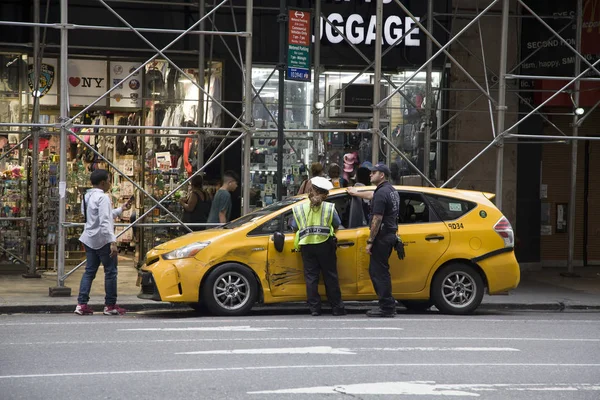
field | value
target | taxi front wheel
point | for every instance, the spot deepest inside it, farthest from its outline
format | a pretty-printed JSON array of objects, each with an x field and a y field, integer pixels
[
  {"x": 230, "y": 289},
  {"x": 457, "y": 289}
]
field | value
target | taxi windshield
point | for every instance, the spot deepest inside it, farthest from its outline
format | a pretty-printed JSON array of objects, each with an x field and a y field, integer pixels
[{"x": 261, "y": 212}]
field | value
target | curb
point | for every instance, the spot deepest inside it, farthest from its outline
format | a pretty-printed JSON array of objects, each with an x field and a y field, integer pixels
[{"x": 290, "y": 308}]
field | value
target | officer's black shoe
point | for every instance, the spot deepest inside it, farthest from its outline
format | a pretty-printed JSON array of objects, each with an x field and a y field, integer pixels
[
  {"x": 315, "y": 313},
  {"x": 338, "y": 312},
  {"x": 379, "y": 313}
]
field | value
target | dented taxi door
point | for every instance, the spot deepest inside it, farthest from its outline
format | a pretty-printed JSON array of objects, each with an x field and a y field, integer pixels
[{"x": 284, "y": 269}]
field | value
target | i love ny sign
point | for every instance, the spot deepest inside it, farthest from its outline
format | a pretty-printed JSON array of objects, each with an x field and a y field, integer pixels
[{"x": 87, "y": 81}]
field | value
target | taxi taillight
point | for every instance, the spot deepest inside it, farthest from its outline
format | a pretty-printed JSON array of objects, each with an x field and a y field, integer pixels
[{"x": 505, "y": 230}]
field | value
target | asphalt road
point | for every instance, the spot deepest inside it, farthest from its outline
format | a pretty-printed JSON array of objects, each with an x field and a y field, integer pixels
[{"x": 179, "y": 355}]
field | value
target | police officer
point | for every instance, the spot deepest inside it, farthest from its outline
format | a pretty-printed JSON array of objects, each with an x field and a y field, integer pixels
[
  {"x": 385, "y": 205},
  {"x": 316, "y": 223}
]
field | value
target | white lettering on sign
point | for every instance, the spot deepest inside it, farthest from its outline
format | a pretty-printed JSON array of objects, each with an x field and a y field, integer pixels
[{"x": 361, "y": 31}]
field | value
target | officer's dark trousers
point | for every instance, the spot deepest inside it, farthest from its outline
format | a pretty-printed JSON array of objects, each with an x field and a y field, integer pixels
[
  {"x": 319, "y": 258},
  {"x": 379, "y": 270}
]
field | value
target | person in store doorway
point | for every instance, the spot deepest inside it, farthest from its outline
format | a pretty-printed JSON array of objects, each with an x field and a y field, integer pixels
[
  {"x": 197, "y": 204},
  {"x": 315, "y": 224},
  {"x": 385, "y": 205},
  {"x": 100, "y": 243},
  {"x": 316, "y": 169},
  {"x": 335, "y": 173},
  {"x": 220, "y": 210}
]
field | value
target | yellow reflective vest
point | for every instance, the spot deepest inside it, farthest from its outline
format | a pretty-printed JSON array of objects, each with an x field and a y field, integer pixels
[{"x": 314, "y": 225}]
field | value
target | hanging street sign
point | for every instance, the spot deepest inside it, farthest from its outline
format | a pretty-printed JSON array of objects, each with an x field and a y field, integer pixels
[{"x": 299, "y": 39}]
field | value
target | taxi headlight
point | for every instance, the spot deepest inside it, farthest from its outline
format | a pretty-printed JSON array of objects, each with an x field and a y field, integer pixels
[{"x": 186, "y": 251}]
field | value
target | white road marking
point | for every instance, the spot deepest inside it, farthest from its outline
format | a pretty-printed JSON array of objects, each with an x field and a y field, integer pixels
[
  {"x": 103, "y": 342},
  {"x": 245, "y": 328},
  {"x": 359, "y": 319},
  {"x": 497, "y": 349},
  {"x": 283, "y": 350},
  {"x": 331, "y": 350},
  {"x": 427, "y": 388},
  {"x": 282, "y": 367},
  {"x": 373, "y": 338}
]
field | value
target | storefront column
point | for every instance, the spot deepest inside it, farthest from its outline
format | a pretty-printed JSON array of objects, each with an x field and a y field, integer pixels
[
  {"x": 377, "y": 84},
  {"x": 248, "y": 95},
  {"x": 501, "y": 104},
  {"x": 35, "y": 149},
  {"x": 60, "y": 289},
  {"x": 575, "y": 98}
]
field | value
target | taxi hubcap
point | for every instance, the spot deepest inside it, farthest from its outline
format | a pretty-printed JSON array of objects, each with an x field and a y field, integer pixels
[
  {"x": 459, "y": 289},
  {"x": 231, "y": 290}
]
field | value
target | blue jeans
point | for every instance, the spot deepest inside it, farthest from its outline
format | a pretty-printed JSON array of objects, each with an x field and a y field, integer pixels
[{"x": 93, "y": 260}]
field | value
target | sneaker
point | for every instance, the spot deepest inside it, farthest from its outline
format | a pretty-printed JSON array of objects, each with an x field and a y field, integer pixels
[
  {"x": 113, "y": 310},
  {"x": 315, "y": 313},
  {"x": 379, "y": 313},
  {"x": 83, "y": 309}
]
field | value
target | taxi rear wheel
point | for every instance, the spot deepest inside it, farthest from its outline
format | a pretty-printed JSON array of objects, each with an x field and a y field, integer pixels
[
  {"x": 457, "y": 289},
  {"x": 230, "y": 289}
]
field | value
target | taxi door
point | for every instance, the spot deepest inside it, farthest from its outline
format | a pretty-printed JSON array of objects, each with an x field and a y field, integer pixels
[
  {"x": 285, "y": 272},
  {"x": 425, "y": 239}
]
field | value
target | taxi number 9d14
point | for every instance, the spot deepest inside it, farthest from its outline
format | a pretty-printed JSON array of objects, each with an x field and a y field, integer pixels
[{"x": 456, "y": 226}]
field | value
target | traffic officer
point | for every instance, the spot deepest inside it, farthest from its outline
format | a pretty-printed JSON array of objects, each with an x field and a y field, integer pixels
[
  {"x": 385, "y": 205},
  {"x": 315, "y": 223}
]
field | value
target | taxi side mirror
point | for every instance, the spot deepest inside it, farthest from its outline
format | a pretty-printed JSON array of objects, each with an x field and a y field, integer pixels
[{"x": 279, "y": 241}]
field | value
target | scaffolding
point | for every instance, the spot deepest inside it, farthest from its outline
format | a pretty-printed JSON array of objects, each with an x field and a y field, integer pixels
[{"x": 244, "y": 129}]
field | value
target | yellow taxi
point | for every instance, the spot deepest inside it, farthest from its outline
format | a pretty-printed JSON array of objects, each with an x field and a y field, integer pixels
[{"x": 458, "y": 246}]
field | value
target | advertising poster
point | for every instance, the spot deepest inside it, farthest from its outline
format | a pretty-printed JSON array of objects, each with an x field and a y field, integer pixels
[
  {"x": 129, "y": 91},
  {"x": 87, "y": 81}
]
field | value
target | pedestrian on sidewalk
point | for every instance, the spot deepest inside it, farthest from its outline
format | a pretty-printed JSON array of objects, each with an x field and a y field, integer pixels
[
  {"x": 316, "y": 169},
  {"x": 220, "y": 210},
  {"x": 315, "y": 224},
  {"x": 196, "y": 205},
  {"x": 385, "y": 205},
  {"x": 100, "y": 243}
]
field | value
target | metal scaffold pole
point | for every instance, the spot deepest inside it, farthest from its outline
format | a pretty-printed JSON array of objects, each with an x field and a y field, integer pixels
[
  {"x": 428, "y": 92},
  {"x": 201, "y": 71},
  {"x": 246, "y": 182},
  {"x": 377, "y": 84},
  {"x": 281, "y": 97},
  {"x": 60, "y": 289},
  {"x": 574, "y": 144},
  {"x": 501, "y": 104},
  {"x": 317, "y": 73},
  {"x": 35, "y": 148}
]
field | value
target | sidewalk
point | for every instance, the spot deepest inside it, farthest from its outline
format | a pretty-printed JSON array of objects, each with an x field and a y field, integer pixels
[{"x": 539, "y": 290}]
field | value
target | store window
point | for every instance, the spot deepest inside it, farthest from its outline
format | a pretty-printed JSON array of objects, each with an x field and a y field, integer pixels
[
  {"x": 298, "y": 146},
  {"x": 402, "y": 121},
  {"x": 14, "y": 164},
  {"x": 158, "y": 160}
]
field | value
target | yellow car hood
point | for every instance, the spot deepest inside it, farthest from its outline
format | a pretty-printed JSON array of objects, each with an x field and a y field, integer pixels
[{"x": 194, "y": 237}]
